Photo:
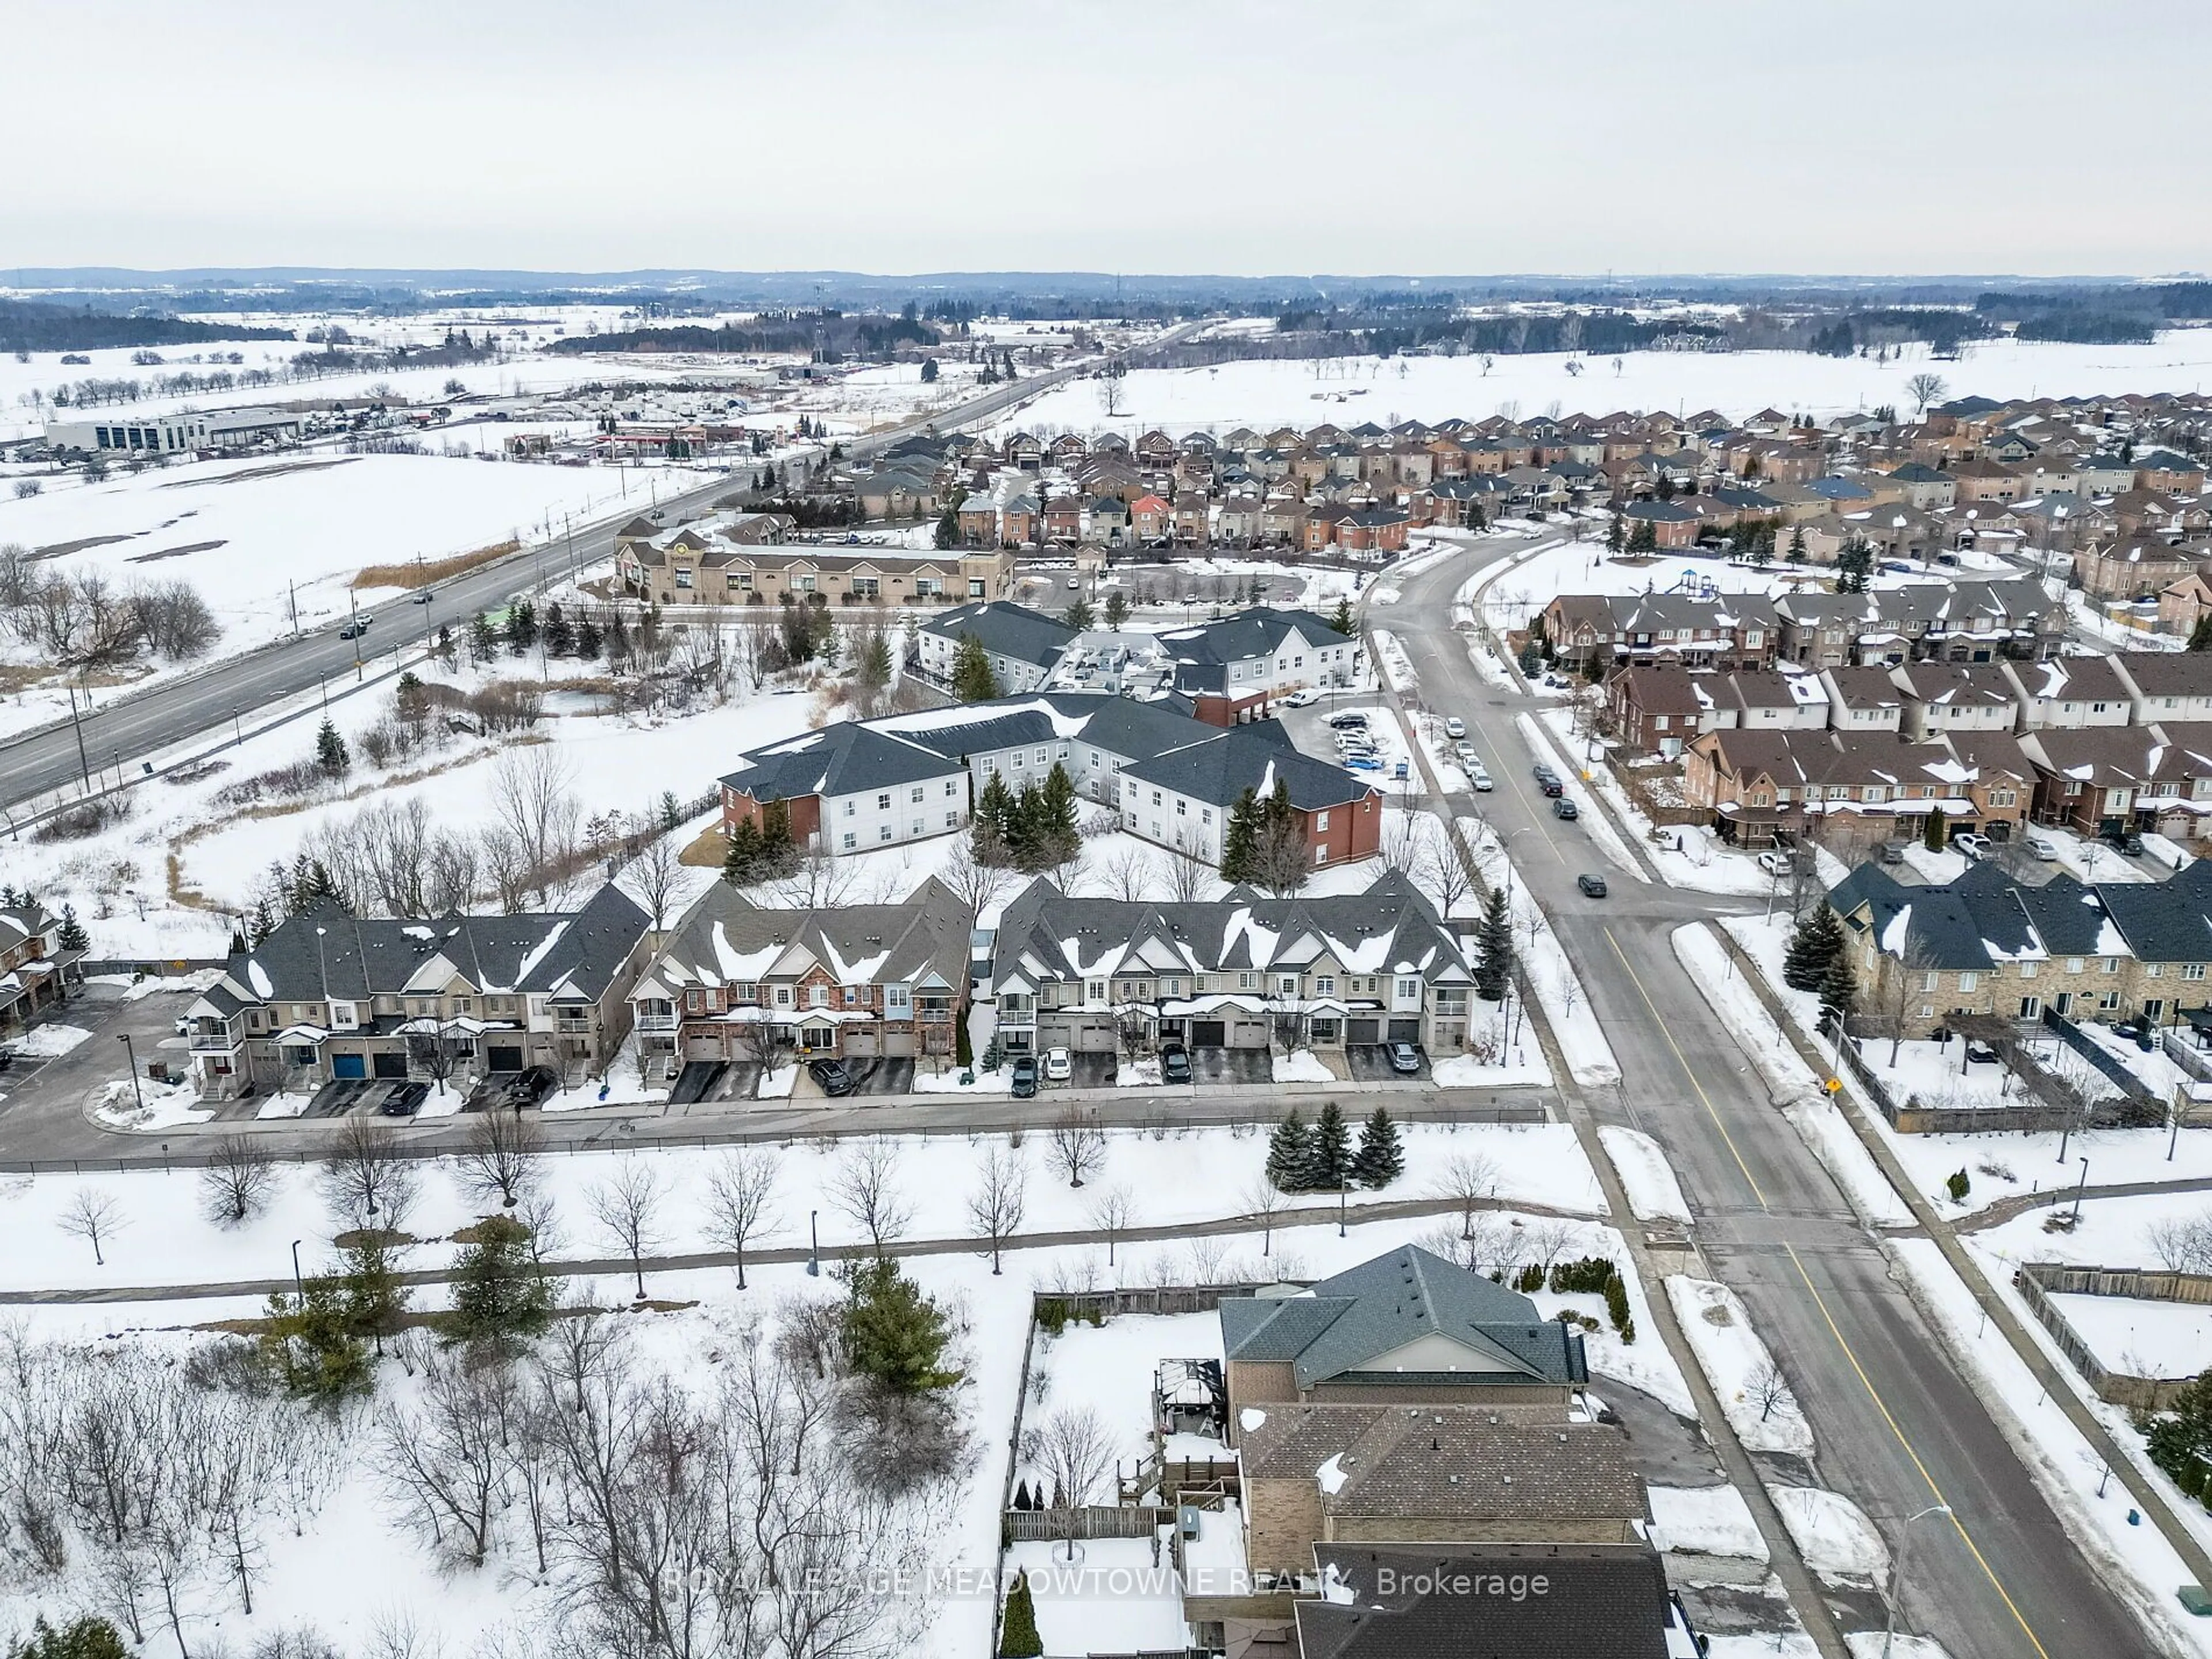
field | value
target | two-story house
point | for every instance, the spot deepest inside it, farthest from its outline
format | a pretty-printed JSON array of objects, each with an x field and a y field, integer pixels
[{"x": 36, "y": 969}]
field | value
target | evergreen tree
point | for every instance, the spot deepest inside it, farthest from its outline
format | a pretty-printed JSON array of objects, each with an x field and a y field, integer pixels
[
  {"x": 499, "y": 1294},
  {"x": 1290, "y": 1153},
  {"x": 448, "y": 652},
  {"x": 1839, "y": 986},
  {"x": 588, "y": 636},
  {"x": 1817, "y": 941},
  {"x": 1330, "y": 1165},
  {"x": 84, "y": 1638},
  {"x": 1380, "y": 1159},
  {"x": 1854, "y": 563},
  {"x": 871, "y": 661},
  {"x": 1018, "y": 1631},
  {"x": 741, "y": 854},
  {"x": 948, "y": 530},
  {"x": 1339, "y": 620},
  {"x": 312, "y": 1338},
  {"x": 331, "y": 752},
  {"x": 1762, "y": 550},
  {"x": 1056, "y": 835},
  {"x": 1117, "y": 608},
  {"x": 1240, "y": 840},
  {"x": 1616, "y": 537},
  {"x": 560, "y": 637},
  {"x": 375, "y": 1295},
  {"x": 262, "y": 922},
  {"x": 483, "y": 638},
  {"x": 521, "y": 627},
  {"x": 1644, "y": 539},
  {"x": 1797, "y": 545},
  {"x": 2179, "y": 1439},
  {"x": 616, "y": 640},
  {"x": 1935, "y": 832},
  {"x": 993, "y": 821},
  {"x": 973, "y": 680},
  {"x": 1493, "y": 948},
  {"x": 895, "y": 1335},
  {"x": 71, "y": 935},
  {"x": 1078, "y": 615}
]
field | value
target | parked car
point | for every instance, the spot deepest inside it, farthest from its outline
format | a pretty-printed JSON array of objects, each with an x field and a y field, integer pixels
[
  {"x": 1174, "y": 1063},
  {"x": 1774, "y": 861},
  {"x": 1974, "y": 846},
  {"x": 831, "y": 1077},
  {"x": 531, "y": 1087},
  {"x": 1025, "y": 1077},
  {"x": 420, "y": 596},
  {"x": 1564, "y": 808},
  {"x": 1404, "y": 1057},
  {"x": 1300, "y": 698},
  {"x": 2132, "y": 846},
  {"x": 405, "y": 1099},
  {"x": 1592, "y": 886},
  {"x": 1480, "y": 780},
  {"x": 1346, "y": 718},
  {"x": 1543, "y": 774},
  {"x": 1551, "y": 786},
  {"x": 1059, "y": 1066},
  {"x": 2041, "y": 846},
  {"x": 1455, "y": 727},
  {"x": 1892, "y": 852}
]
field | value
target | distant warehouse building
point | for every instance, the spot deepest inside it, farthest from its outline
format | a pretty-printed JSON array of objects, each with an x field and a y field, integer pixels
[{"x": 175, "y": 434}]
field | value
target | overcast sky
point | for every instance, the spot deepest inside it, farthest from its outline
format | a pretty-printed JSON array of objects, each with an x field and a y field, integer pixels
[{"x": 1244, "y": 136}]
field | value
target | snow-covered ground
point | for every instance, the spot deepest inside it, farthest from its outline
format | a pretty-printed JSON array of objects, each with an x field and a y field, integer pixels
[
  {"x": 1704, "y": 1520},
  {"x": 1756, "y": 1398},
  {"x": 1268, "y": 392},
  {"x": 1832, "y": 1533},
  {"x": 2141, "y": 1339},
  {"x": 1545, "y": 963},
  {"x": 1641, "y": 1162}
]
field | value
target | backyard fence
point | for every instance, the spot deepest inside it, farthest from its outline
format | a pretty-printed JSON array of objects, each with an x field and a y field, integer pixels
[{"x": 2038, "y": 1281}]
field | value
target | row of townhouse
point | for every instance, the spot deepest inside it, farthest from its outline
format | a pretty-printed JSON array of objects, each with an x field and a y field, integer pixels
[
  {"x": 36, "y": 969},
  {"x": 1867, "y": 786},
  {"x": 745, "y": 558},
  {"x": 329, "y": 997},
  {"x": 853, "y": 786},
  {"x": 736, "y": 982},
  {"x": 1968, "y": 622},
  {"x": 1098, "y": 974},
  {"x": 1660, "y": 708},
  {"x": 1989, "y": 944},
  {"x": 1227, "y": 671}
]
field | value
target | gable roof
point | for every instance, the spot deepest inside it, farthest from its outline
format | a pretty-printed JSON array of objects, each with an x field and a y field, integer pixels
[
  {"x": 1609, "y": 1598},
  {"x": 843, "y": 759},
  {"x": 725, "y": 938}
]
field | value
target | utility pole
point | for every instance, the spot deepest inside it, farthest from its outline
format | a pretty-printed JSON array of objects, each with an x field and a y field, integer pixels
[{"x": 84, "y": 765}]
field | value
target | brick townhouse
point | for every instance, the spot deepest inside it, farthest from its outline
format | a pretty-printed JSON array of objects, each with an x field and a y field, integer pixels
[{"x": 1860, "y": 789}]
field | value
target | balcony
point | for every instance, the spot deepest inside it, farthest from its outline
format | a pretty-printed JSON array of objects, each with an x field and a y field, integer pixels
[
  {"x": 213, "y": 1037},
  {"x": 660, "y": 1024}
]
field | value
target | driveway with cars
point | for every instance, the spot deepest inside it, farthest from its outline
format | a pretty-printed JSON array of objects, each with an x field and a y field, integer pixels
[{"x": 1369, "y": 1062}]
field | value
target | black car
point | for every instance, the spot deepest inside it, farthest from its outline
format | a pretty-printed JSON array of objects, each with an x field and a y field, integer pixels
[
  {"x": 532, "y": 1086},
  {"x": 1025, "y": 1077},
  {"x": 830, "y": 1076},
  {"x": 405, "y": 1099},
  {"x": 1564, "y": 808},
  {"x": 1552, "y": 787},
  {"x": 1592, "y": 886},
  {"x": 1543, "y": 774},
  {"x": 2132, "y": 846},
  {"x": 1174, "y": 1063}
]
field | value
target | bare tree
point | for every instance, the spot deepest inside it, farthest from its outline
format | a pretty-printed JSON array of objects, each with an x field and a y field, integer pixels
[
  {"x": 1111, "y": 1213},
  {"x": 94, "y": 1217},
  {"x": 447, "y": 1463},
  {"x": 865, "y": 1186},
  {"x": 1074, "y": 1450},
  {"x": 1191, "y": 880},
  {"x": 1128, "y": 875},
  {"x": 364, "y": 1178},
  {"x": 1266, "y": 1201},
  {"x": 501, "y": 1157},
  {"x": 740, "y": 1190},
  {"x": 1444, "y": 873},
  {"x": 1925, "y": 388},
  {"x": 999, "y": 1198},
  {"x": 1078, "y": 1145},
  {"x": 435, "y": 1049},
  {"x": 1768, "y": 1389},
  {"x": 627, "y": 1207},
  {"x": 239, "y": 1176},
  {"x": 1471, "y": 1178},
  {"x": 1548, "y": 1238},
  {"x": 653, "y": 876},
  {"x": 533, "y": 802},
  {"x": 817, "y": 880},
  {"x": 975, "y": 883},
  {"x": 2183, "y": 1244}
]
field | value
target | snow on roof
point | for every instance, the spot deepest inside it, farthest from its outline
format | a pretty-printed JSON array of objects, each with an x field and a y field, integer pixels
[
  {"x": 543, "y": 949},
  {"x": 1330, "y": 1476},
  {"x": 741, "y": 967},
  {"x": 257, "y": 977},
  {"x": 1894, "y": 935}
]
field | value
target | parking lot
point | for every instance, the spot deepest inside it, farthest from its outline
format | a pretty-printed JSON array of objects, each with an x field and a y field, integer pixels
[{"x": 42, "y": 1100}]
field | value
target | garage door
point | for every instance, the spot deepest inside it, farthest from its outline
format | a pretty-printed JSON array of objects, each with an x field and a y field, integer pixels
[
  {"x": 1209, "y": 1033},
  {"x": 1095, "y": 1036},
  {"x": 861, "y": 1045},
  {"x": 703, "y": 1046},
  {"x": 503, "y": 1057},
  {"x": 1249, "y": 1034},
  {"x": 1363, "y": 1031},
  {"x": 1406, "y": 1030},
  {"x": 349, "y": 1066},
  {"x": 899, "y": 1044},
  {"x": 392, "y": 1065}
]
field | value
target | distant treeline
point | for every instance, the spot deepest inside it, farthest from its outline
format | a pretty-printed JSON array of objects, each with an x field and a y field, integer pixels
[
  {"x": 831, "y": 333},
  {"x": 27, "y": 326}
]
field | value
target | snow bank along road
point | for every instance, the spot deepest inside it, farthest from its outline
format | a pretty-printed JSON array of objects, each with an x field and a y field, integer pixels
[
  {"x": 130, "y": 727},
  {"x": 1898, "y": 1427}
]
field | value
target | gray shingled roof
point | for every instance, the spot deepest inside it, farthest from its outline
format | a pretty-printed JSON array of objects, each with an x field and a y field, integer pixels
[
  {"x": 1220, "y": 768},
  {"x": 1006, "y": 629},
  {"x": 843, "y": 759},
  {"x": 1598, "y": 1599}
]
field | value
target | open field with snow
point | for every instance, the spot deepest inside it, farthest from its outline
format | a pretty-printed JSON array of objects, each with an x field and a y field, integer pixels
[{"x": 1348, "y": 391}]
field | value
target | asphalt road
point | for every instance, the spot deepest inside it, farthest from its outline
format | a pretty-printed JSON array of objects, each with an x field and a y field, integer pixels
[
  {"x": 119, "y": 734},
  {"x": 1895, "y": 1425}
]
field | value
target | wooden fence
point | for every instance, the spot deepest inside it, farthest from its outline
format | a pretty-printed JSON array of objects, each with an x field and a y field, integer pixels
[
  {"x": 1091, "y": 1520},
  {"x": 2038, "y": 1281}
]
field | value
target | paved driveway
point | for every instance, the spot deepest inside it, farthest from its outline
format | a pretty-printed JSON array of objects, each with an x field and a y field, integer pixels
[
  {"x": 1369, "y": 1062},
  {"x": 1218, "y": 1066},
  {"x": 881, "y": 1076}
]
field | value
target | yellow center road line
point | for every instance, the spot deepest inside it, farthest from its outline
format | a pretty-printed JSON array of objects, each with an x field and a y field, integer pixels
[
  {"x": 1682, "y": 1060},
  {"x": 1827, "y": 1318},
  {"x": 1882, "y": 1405}
]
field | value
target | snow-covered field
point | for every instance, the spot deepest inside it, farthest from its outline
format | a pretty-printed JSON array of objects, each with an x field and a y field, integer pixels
[{"x": 1348, "y": 391}]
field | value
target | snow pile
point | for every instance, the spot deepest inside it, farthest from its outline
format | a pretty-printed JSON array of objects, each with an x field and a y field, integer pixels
[
  {"x": 1303, "y": 1066},
  {"x": 1641, "y": 1163},
  {"x": 50, "y": 1041},
  {"x": 1704, "y": 1520},
  {"x": 1832, "y": 1533},
  {"x": 1759, "y": 1404}
]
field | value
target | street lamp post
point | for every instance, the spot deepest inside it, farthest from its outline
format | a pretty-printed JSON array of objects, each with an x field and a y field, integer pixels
[
  {"x": 1896, "y": 1579},
  {"x": 132, "y": 1054},
  {"x": 299, "y": 1283},
  {"x": 813, "y": 1245},
  {"x": 2080, "y": 1187}
]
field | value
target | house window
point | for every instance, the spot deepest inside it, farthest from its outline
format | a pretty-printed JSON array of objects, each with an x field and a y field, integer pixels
[
  {"x": 1156, "y": 797},
  {"x": 2192, "y": 971},
  {"x": 852, "y": 807},
  {"x": 1408, "y": 990},
  {"x": 1929, "y": 980},
  {"x": 850, "y": 841},
  {"x": 917, "y": 795},
  {"x": 895, "y": 999},
  {"x": 817, "y": 996},
  {"x": 951, "y": 787},
  {"x": 2109, "y": 1002},
  {"x": 952, "y": 820},
  {"x": 783, "y": 996},
  {"x": 2112, "y": 964},
  {"x": 884, "y": 834},
  {"x": 2073, "y": 964},
  {"x": 1206, "y": 815},
  {"x": 1182, "y": 808},
  {"x": 1041, "y": 756},
  {"x": 1968, "y": 982},
  {"x": 1248, "y": 981},
  {"x": 1287, "y": 985},
  {"x": 917, "y": 826},
  {"x": 684, "y": 578},
  {"x": 1170, "y": 987},
  {"x": 884, "y": 802},
  {"x": 2029, "y": 969},
  {"x": 1094, "y": 990}
]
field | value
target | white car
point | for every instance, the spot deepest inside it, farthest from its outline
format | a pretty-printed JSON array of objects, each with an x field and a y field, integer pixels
[
  {"x": 1480, "y": 780},
  {"x": 1299, "y": 698},
  {"x": 1455, "y": 727},
  {"x": 1974, "y": 846},
  {"x": 1058, "y": 1067},
  {"x": 2041, "y": 847},
  {"x": 1774, "y": 861}
]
